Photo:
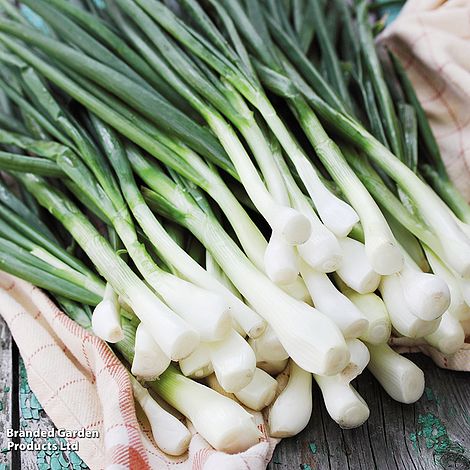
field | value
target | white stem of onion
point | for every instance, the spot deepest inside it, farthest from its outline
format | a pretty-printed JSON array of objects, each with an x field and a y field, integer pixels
[
  {"x": 333, "y": 303},
  {"x": 449, "y": 336},
  {"x": 173, "y": 334},
  {"x": 207, "y": 312},
  {"x": 426, "y": 295},
  {"x": 226, "y": 425},
  {"x": 259, "y": 393},
  {"x": 401, "y": 317},
  {"x": 234, "y": 362},
  {"x": 298, "y": 290},
  {"x": 458, "y": 306},
  {"x": 402, "y": 379},
  {"x": 321, "y": 251},
  {"x": 149, "y": 360},
  {"x": 198, "y": 364},
  {"x": 373, "y": 308},
  {"x": 291, "y": 410},
  {"x": 345, "y": 406},
  {"x": 359, "y": 359},
  {"x": 268, "y": 347},
  {"x": 280, "y": 261},
  {"x": 342, "y": 401},
  {"x": 355, "y": 269},
  {"x": 169, "y": 433},
  {"x": 106, "y": 319},
  {"x": 244, "y": 321}
]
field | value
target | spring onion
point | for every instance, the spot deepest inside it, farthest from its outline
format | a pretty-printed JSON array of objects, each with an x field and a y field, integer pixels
[
  {"x": 234, "y": 362},
  {"x": 198, "y": 364},
  {"x": 342, "y": 401},
  {"x": 259, "y": 393},
  {"x": 106, "y": 320},
  {"x": 401, "y": 378},
  {"x": 449, "y": 336},
  {"x": 169, "y": 433},
  {"x": 373, "y": 308},
  {"x": 222, "y": 422},
  {"x": 403, "y": 320},
  {"x": 334, "y": 304},
  {"x": 355, "y": 269},
  {"x": 426, "y": 294},
  {"x": 268, "y": 347},
  {"x": 291, "y": 410},
  {"x": 149, "y": 361}
]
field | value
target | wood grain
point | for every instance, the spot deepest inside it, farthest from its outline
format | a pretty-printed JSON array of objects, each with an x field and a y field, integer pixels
[
  {"x": 6, "y": 385},
  {"x": 394, "y": 437},
  {"x": 33, "y": 417}
]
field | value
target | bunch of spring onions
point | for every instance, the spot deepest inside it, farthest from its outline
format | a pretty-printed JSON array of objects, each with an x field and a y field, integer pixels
[{"x": 226, "y": 191}]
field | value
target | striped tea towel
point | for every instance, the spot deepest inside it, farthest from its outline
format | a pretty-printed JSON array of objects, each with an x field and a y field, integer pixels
[
  {"x": 432, "y": 39},
  {"x": 82, "y": 385}
]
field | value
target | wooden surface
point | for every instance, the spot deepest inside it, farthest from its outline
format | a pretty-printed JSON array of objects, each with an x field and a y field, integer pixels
[
  {"x": 6, "y": 392},
  {"x": 434, "y": 433},
  {"x": 431, "y": 434},
  {"x": 21, "y": 410}
]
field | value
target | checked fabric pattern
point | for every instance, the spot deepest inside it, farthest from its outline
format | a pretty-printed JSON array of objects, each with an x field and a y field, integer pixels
[
  {"x": 432, "y": 39},
  {"x": 81, "y": 384}
]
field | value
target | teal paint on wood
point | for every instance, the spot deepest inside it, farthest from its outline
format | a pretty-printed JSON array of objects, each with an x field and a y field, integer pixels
[
  {"x": 6, "y": 378},
  {"x": 432, "y": 433},
  {"x": 32, "y": 416},
  {"x": 313, "y": 447},
  {"x": 431, "y": 396}
]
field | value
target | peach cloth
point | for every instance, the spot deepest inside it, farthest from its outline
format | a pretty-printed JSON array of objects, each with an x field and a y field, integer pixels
[
  {"x": 432, "y": 38},
  {"x": 81, "y": 384}
]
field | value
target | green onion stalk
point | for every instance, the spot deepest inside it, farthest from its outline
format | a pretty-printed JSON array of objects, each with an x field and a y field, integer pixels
[
  {"x": 173, "y": 285},
  {"x": 249, "y": 88},
  {"x": 146, "y": 305},
  {"x": 298, "y": 332},
  {"x": 433, "y": 211},
  {"x": 200, "y": 173},
  {"x": 216, "y": 417},
  {"x": 142, "y": 99},
  {"x": 283, "y": 220},
  {"x": 225, "y": 424},
  {"x": 252, "y": 323}
]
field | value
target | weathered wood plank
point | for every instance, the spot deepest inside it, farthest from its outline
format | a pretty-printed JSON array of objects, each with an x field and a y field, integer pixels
[
  {"x": 49, "y": 453},
  {"x": 434, "y": 433},
  {"x": 431, "y": 434},
  {"x": 6, "y": 386}
]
